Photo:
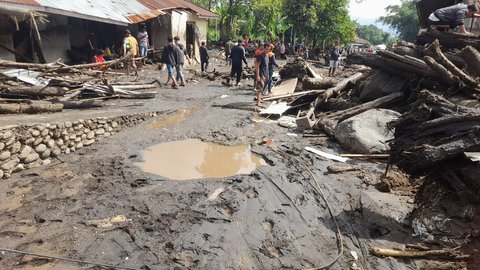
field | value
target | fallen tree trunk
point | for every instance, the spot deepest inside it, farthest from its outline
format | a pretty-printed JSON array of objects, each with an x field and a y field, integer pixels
[
  {"x": 322, "y": 98},
  {"x": 328, "y": 122},
  {"x": 31, "y": 108},
  {"x": 313, "y": 83},
  {"x": 33, "y": 92},
  {"x": 448, "y": 40},
  {"x": 435, "y": 130},
  {"x": 80, "y": 104},
  {"x": 442, "y": 74},
  {"x": 389, "y": 65},
  {"x": 465, "y": 78},
  {"x": 472, "y": 58}
]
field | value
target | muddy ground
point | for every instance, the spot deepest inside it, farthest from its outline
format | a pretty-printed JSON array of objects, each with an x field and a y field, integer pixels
[{"x": 273, "y": 218}]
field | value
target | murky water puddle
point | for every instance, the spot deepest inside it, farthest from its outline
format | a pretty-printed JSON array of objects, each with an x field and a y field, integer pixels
[
  {"x": 175, "y": 118},
  {"x": 194, "y": 159}
]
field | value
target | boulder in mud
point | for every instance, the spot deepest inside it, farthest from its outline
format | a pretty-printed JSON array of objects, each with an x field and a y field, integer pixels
[
  {"x": 381, "y": 84},
  {"x": 367, "y": 132}
]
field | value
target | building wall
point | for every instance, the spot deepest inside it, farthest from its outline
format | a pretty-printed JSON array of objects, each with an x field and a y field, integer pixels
[
  {"x": 55, "y": 38},
  {"x": 175, "y": 24},
  {"x": 7, "y": 41},
  {"x": 161, "y": 29}
]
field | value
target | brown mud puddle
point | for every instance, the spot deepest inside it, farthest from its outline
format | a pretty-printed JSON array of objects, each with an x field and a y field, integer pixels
[
  {"x": 194, "y": 159},
  {"x": 173, "y": 119}
]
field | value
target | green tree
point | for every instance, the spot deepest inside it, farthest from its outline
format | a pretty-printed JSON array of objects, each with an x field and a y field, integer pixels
[
  {"x": 372, "y": 33},
  {"x": 403, "y": 18}
]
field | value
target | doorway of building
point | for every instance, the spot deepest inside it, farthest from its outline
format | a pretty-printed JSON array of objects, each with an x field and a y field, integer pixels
[
  {"x": 190, "y": 39},
  {"x": 23, "y": 43}
]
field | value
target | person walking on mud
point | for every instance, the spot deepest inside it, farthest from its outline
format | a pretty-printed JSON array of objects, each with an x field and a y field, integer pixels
[
  {"x": 228, "y": 51},
  {"x": 334, "y": 55},
  {"x": 267, "y": 89},
  {"x": 261, "y": 72},
  {"x": 204, "y": 57},
  {"x": 130, "y": 45},
  {"x": 170, "y": 58},
  {"x": 180, "y": 61},
  {"x": 237, "y": 57}
]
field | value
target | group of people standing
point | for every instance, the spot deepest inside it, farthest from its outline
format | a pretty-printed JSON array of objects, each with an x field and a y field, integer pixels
[
  {"x": 173, "y": 56},
  {"x": 264, "y": 63}
]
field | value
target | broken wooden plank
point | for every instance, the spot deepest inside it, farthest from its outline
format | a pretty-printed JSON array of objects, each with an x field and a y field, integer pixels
[
  {"x": 276, "y": 109},
  {"x": 285, "y": 87}
]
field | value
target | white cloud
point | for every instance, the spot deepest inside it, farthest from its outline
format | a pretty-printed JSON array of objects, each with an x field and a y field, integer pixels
[{"x": 370, "y": 9}]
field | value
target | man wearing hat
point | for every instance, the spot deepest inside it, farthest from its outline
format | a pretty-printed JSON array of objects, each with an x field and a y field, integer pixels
[
  {"x": 130, "y": 45},
  {"x": 452, "y": 17}
]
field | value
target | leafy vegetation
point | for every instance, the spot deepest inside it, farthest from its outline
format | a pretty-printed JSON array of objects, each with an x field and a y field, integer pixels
[
  {"x": 403, "y": 18},
  {"x": 316, "y": 22}
]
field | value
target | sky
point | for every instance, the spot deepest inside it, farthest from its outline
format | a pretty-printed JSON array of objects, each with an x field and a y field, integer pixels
[{"x": 370, "y": 9}]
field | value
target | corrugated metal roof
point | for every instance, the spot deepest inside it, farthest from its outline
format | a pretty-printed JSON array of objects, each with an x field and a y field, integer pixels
[
  {"x": 111, "y": 11},
  {"x": 178, "y": 4}
]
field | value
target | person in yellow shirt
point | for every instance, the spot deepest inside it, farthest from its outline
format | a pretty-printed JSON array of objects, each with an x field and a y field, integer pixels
[{"x": 130, "y": 44}]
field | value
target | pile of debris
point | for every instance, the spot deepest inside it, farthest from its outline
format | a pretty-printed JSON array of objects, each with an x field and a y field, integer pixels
[
  {"x": 40, "y": 88},
  {"x": 417, "y": 103}
]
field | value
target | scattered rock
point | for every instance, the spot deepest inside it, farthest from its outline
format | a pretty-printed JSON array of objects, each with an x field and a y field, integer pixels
[
  {"x": 47, "y": 161},
  {"x": 16, "y": 147},
  {"x": 2, "y": 146},
  {"x": 89, "y": 142},
  {"x": 91, "y": 135},
  {"x": 68, "y": 124},
  {"x": 35, "y": 133},
  {"x": 18, "y": 168},
  {"x": 45, "y": 132},
  {"x": 6, "y": 135},
  {"x": 56, "y": 152},
  {"x": 45, "y": 154},
  {"x": 340, "y": 168},
  {"x": 41, "y": 148},
  {"x": 1, "y": 174},
  {"x": 366, "y": 132},
  {"x": 8, "y": 166},
  {"x": 5, "y": 155},
  {"x": 385, "y": 209},
  {"x": 288, "y": 122},
  {"x": 25, "y": 152},
  {"x": 37, "y": 141},
  {"x": 100, "y": 131},
  {"x": 50, "y": 143},
  {"x": 31, "y": 158}
]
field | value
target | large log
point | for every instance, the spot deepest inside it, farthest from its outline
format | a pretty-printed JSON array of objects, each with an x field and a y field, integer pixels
[
  {"x": 464, "y": 77},
  {"x": 387, "y": 64},
  {"x": 80, "y": 104},
  {"x": 442, "y": 74},
  {"x": 342, "y": 85},
  {"x": 32, "y": 91},
  {"x": 328, "y": 122},
  {"x": 434, "y": 131},
  {"x": 31, "y": 108},
  {"x": 448, "y": 40},
  {"x": 314, "y": 84},
  {"x": 472, "y": 58}
]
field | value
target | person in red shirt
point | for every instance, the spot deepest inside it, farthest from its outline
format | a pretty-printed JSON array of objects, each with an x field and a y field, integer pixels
[{"x": 98, "y": 58}]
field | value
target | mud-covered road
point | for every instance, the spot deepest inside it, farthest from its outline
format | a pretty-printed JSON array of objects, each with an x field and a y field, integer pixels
[{"x": 97, "y": 205}]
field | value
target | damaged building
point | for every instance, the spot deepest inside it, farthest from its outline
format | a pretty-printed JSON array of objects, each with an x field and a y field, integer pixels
[{"x": 45, "y": 31}]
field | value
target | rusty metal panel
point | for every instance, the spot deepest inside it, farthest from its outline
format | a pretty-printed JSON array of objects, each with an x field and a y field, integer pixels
[
  {"x": 110, "y": 11},
  {"x": 178, "y": 4}
]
